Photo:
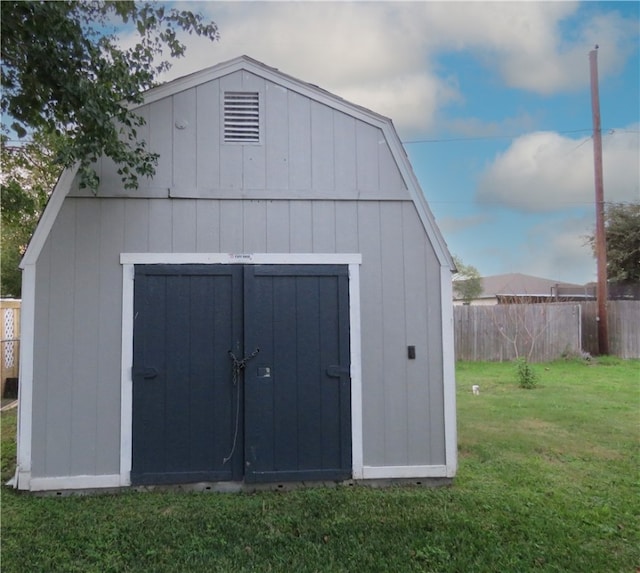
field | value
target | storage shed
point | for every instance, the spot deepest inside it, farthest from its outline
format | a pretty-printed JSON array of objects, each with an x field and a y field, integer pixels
[{"x": 273, "y": 306}]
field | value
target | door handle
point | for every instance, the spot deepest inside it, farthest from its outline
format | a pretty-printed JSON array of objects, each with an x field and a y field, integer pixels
[
  {"x": 336, "y": 371},
  {"x": 146, "y": 373}
]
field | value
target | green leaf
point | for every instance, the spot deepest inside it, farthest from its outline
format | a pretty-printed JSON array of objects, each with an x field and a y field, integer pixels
[{"x": 63, "y": 73}]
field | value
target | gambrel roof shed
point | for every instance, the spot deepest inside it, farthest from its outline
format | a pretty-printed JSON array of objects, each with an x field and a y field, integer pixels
[{"x": 273, "y": 305}]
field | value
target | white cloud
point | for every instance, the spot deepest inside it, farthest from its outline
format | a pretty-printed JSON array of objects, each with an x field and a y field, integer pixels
[
  {"x": 384, "y": 55},
  {"x": 476, "y": 127},
  {"x": 559, "y": 250},
  {"x": 524, "y": 41},
  {"x": 450, "y": 225},
  {"x": 369, "y": 53},
  {"x": 412, "y": 101},
  {"x": 545, "y": 171},
  {"x": 555, "y": 248}
]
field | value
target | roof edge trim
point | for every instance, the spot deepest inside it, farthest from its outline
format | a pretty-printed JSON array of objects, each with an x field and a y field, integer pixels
[
  {"x": 49, "y": 215},
  {"x": 274, "y": 75}
]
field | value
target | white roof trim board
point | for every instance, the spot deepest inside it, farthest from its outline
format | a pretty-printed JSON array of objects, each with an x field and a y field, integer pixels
[
  {"x": 271, "y": 74},
  {"x": 49, "y": 216}
]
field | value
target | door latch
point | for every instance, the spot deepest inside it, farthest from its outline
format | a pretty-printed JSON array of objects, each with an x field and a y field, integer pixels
[
  {"x": 146, "y": 373},
  {"x": 336, "y": 371}
]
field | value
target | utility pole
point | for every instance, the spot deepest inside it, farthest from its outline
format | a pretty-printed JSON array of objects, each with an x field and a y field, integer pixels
[{"x": 600, "y": 243}]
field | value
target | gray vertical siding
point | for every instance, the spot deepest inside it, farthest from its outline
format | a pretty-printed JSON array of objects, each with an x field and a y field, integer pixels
[
  {"x": 321, "y": 182},
  {"x": 41, "y": 381},
  {"x": 82, "y": 367},
  {"x": 207, "y": 152},
  {"x": 78, "y": 309},
  {"x": 185, "y": 159},
  {"x": 76, "y": 420},
  {"x": 308, "y": 150},
  {"x": 58, "y": 370},
  {"x": 109, "y": 329}
]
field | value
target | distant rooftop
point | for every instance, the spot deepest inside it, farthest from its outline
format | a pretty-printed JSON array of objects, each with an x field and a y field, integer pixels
[{"x": 518, "y": 284}]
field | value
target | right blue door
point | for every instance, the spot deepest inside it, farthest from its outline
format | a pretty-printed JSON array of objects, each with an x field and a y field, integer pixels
[{"x": 297, "y": 389}]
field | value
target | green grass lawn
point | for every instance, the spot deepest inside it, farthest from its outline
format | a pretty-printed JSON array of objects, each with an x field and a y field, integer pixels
[{"x": 548, "y": 481}]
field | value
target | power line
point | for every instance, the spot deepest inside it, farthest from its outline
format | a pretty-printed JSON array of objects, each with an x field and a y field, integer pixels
[
  {"x": 480, "y": 202},
  {"x": 610, "y": 132},
  {"x": 587, "y": 140},
  {"x": 513, "y": 136}
]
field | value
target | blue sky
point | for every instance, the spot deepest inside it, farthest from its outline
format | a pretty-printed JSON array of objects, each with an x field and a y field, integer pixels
[{"x": 492, "y": 100}]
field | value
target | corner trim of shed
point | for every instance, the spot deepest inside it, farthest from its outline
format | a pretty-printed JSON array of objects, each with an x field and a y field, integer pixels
[
  {"x": 22, "y": 476},
  {"x": 22, "y": 479},
  {"x": 449, "y": 374},
  {"x": 49, "y": 216}
]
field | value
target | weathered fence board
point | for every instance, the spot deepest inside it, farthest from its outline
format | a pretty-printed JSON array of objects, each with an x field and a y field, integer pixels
[
  {"x": 539, "y": 332},
  {"x": 624, "y": 328},
  {"x": 543, "y": 332}
]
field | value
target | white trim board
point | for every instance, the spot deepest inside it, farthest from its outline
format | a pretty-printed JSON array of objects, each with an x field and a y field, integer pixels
[
  {"x": 400, "y": 472},
  {"x": 25, "y": 375},
  {"x": 75, "y": 482},
  {"x": 126, "y": 380},
  {"x": 240, "y": 258},
  {"x": 49, "y": 216},
  {"x": 448, "y": 373},
  {"x": 128, "y": 260}
]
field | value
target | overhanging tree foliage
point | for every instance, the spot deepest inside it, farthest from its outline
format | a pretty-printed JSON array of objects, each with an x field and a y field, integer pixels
[
  {"x": 28, "y": 175},
  {"x": 622, "y": 232},
  {"x": 466, "y": 282},
  {"x": 64, "y": 73}
]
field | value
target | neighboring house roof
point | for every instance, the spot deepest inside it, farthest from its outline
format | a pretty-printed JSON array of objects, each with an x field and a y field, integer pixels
[
  {"x": 518, "y": 284},
  {"x": 306, "y": 89}
]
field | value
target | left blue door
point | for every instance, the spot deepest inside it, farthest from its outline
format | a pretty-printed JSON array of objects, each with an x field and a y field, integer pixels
[{"x": 186, "y": 407}]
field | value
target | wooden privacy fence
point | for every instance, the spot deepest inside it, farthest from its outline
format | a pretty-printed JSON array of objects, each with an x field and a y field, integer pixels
[
  {"x": 543, "y": 332},
  {"x": 624, "y": 328},
  {"x": 10, "y": 337},
  {"x": 539, "y": 332}
]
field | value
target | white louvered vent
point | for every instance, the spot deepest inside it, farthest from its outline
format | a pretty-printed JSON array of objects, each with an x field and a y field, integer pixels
[{"x": 241, "y": 117}]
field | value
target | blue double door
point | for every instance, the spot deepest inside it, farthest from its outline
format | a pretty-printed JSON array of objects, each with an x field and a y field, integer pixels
[{"x": 241, "y": 373}]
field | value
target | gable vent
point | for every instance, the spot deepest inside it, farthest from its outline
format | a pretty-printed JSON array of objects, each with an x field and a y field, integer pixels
[{"x": 241, "y": 117}]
